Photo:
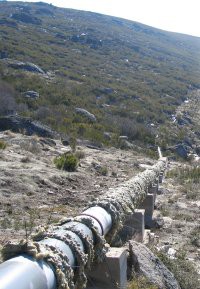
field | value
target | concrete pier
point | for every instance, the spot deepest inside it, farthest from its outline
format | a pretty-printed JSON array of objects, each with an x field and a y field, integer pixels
[
  {"x": 148, "y": 206},
  {"x": 111, "y": 273}
]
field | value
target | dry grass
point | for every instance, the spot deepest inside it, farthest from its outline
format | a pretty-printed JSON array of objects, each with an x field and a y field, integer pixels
[{"x": 140, "y": 282}]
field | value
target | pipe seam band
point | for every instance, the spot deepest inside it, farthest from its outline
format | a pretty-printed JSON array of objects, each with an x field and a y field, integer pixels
[{"x": 88, "y": 215}]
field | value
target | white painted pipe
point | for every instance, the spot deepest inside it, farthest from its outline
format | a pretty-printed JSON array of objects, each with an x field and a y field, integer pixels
[{"x": 23, "y": 272}]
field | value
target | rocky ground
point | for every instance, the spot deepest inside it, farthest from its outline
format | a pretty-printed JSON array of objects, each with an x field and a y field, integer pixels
[
  {"x": 178, "y": 205},
  {"x": 33, "y": 191}
]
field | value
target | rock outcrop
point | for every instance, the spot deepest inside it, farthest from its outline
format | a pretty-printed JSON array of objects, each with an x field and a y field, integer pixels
[
  {"x": 146, "y": 263},
  {"x": 25, "y": 125},
  {"x": 31, "y": 94},
  {"x": 28, "y": 66},
  {"x": 91, "y": 117},
  {"x": 181, "y": 149}
]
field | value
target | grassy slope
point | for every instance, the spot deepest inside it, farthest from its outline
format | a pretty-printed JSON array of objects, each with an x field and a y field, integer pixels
[{"x": 141, "y": 72}]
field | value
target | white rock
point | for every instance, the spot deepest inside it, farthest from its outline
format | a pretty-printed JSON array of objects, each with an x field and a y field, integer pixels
[{"x": 171, "y": 253}]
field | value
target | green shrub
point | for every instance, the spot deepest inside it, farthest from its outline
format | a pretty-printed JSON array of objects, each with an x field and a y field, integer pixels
[
  {"x": 103, "y": 171},
  {"x": 2, "y": 145},
  {"x": 72, "y": 143},
  {"x": 67, "y": 162}
]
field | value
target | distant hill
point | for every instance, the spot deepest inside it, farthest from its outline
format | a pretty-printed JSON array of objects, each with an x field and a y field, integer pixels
[{"x": 130, "y": 76}]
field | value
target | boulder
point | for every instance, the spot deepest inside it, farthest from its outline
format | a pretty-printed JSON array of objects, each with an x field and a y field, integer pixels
[
  {"x": 28, "y": 66},
  {"x": 107, "y": 90},
  {"x": 31, "y": 94},
  {"x": 107, "y": 135},
  {"x": 144, "y": 262},
  {"x": 158, "y": 222},
  {"x": 48, "y": 142},
  {"x": 181, "y": 150},
  {"x": 123, "y": 137},
  {"x": 65, "y": 141},
  {"x": 27, "y": 126},
  {"x": 124, "y": 144},
  {"x": 91, "y": 117}
]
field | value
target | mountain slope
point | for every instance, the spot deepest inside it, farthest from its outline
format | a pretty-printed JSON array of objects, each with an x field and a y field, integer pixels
[{"x": 127, "y": 74}]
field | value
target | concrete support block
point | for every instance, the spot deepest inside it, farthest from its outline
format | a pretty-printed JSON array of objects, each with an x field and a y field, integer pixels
[
  {"x": 136, "y": 221},
  {"x": 111, "y": 273},
  {"x": 161, "y": 176},
  {"x": 154, "y": 190},
  {"x": 148, "y": 206},
  {"x": 133, "y": 227}
]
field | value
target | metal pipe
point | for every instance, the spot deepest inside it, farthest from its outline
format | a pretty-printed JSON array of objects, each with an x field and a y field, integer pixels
[
  {"x": 23, "y": 272},
  {"x": 159, "y": 152}
]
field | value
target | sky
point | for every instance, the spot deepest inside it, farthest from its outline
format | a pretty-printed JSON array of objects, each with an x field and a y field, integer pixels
[{"x": 173, "y": 15}]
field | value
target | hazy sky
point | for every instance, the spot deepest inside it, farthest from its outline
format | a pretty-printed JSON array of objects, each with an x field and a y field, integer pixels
[{"x": 173, "y": 15}]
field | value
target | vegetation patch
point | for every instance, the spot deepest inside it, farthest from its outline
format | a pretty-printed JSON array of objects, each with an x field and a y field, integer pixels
[
  {"x": 67, "y": 162},
  {"x": 183, "y": 270},
  {"x": 189, "y": 177},
  {"x": 186, "y": 173},
  {"x": 131, "y": 77},
  {"x": 3, "y": 144},
  {"x": 140, "y": 282}
]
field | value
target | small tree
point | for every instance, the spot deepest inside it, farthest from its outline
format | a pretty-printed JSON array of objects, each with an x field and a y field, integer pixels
[{"x": 7, "y": 99}]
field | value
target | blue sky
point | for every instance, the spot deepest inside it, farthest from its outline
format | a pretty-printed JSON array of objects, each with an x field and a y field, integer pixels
[{"x": 174, "y": 15}]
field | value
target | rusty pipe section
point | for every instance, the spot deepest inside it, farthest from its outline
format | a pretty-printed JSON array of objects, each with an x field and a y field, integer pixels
[{"x": 24, "y": 272}]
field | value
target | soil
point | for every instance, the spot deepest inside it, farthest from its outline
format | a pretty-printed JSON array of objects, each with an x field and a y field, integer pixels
[{"x": 34, "y": 192}]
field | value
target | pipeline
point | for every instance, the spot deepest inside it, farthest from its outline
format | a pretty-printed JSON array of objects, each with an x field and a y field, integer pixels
[
  {"x": 57, "y": 258},
  {"x": 159, "y": 152}
]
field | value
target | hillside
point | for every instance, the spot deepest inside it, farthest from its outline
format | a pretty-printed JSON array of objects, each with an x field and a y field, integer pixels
[
  {"x": 130, "y": 76},
  {"x": 101, "y": 84}
]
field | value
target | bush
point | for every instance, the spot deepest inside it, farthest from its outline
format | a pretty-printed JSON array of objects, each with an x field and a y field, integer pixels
[
  {"x": 67, "y": 162},
  {"x": 103, "y": 171},
  {"x": 2, "y": 145},
  {"x": 7, "y": 99}
]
